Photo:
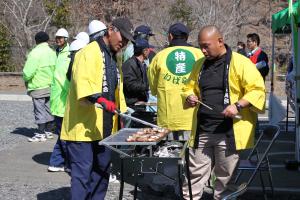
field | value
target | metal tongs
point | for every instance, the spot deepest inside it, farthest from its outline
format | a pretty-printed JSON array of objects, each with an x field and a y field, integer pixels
[
  {"x": 145, "y": 103},
  {"x": 210, "y": 108},
  {"x": 123, "y": 115}
]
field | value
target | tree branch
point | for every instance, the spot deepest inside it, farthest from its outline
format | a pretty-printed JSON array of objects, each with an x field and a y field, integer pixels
[{"x": 26, "y": 12}]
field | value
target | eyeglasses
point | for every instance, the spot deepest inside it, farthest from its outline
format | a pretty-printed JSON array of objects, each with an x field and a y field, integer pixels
[
  {"x": 115, "y": 29},
  {"x": 124, "y": 39}
]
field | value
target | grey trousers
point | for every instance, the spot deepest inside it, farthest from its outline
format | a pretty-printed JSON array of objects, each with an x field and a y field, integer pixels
[
  {"x": 41, "y": 109},
  {"x": 211, "y": 153},
  {"x": 179, "y": 135}
]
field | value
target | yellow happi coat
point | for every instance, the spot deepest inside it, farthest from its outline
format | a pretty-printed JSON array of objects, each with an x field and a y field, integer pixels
[
  {"x": 245, "y": 82},
  {"x": 82, "y": 120},
  {"x": 167, "y": 74}
]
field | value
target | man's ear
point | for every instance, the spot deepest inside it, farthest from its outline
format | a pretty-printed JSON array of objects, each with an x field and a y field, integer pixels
[
  {"x": 221, "y": 41},
  {"x": 145, "y": 51},
  {"x": 170, "y": 37},
  {"x": 110, "y": 30}
]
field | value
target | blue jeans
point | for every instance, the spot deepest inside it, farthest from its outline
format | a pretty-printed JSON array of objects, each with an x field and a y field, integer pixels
[
  {"x": 59, "y": 155},
  {"x": 90, "y": 166}
]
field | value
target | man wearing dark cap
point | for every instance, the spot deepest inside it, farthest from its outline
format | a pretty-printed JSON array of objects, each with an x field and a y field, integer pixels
[
  {"x": 134, "y": 70},
  {"x": 167, "y": 73},
  {"x": 37, "y": 74},
  {"x": 178, "y": 35},
  {"x": 95, "y": 79},
  {"x": 141, "y": 32}
]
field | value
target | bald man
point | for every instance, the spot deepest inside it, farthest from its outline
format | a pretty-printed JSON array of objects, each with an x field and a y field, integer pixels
[{"x": 230, "y": 84}]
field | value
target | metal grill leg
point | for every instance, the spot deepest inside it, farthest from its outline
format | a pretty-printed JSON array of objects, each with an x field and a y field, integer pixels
[
  {"x": 122, "y": 180},
  {"x": 135, "y": 191},
  {"x": 188, "y": 175},
  {"x": 180, "y": 180}
]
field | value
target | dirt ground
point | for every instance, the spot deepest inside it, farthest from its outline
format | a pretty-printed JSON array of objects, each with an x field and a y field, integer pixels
[{"x": 12, "y": 82}]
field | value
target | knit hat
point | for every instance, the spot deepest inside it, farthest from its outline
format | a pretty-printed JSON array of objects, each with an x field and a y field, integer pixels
[{"x": 41, "y": 37}]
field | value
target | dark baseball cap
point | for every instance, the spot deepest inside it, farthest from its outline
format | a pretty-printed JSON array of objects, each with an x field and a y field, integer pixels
[
  {"x": 143, "y": 30},
  {"x": 41, "y": 37},
  {"x": 142, "y": 44},
  {"x": 125, "y": 27},
  {"x": 179, "y": 29}
]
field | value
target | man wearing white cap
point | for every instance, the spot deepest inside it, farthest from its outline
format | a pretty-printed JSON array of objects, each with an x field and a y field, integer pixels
[
  {"x": 59, "y": 92},
  {"x": 81, "y": 40},
  {"x": 75, "y": 46}
]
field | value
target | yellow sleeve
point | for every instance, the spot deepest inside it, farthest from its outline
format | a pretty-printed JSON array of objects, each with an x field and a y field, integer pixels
[
  {"x": 121, "y": 97},
  {"x": 153, "y": 75},
  {"x": 191, "y": 86},
  {"x": 87, "y": 72},
  {"x": 254, "y": 86}
]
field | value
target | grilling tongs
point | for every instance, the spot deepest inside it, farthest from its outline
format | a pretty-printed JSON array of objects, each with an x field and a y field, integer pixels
[{"x": 123, "y": 115}]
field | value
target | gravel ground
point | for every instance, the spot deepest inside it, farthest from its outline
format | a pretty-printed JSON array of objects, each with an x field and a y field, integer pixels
[
  {"x": 16, "y": 122},
  {"x": 24, "y": 175}
]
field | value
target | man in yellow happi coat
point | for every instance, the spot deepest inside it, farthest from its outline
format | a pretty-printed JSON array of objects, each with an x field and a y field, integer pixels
[
  {"x": 167, "y": 73},
  {"x": 95, "y": 79},
  {"x": 230, "y": 84}
]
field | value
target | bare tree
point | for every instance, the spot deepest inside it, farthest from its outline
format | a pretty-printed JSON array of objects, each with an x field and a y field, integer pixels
[
  {"x": 22, "y": 19},
  {"x": 104, "y": 10},
  {"x": 158, "y": 19},
  {"x": 235, "y": 18},
  {"x": 228, "y": 15},
  {"x": 84, "y": 11}
]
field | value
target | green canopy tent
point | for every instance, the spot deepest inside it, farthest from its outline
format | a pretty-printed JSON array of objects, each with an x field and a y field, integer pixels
[
  {"x": 287, "y": 21},
  {"x": 281, "y": 21}
]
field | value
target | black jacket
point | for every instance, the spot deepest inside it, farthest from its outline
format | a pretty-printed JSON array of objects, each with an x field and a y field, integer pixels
[
  {"x": 265, "y": 70},
  {"x": 69, "y": 72},
  {"x": 260, "y": 57},
  {"x": 136, "y": 85}
]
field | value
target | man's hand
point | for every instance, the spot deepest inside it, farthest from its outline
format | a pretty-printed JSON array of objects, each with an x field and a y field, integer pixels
[
  {"x": 230, "y": 111},
  {"x": 192, "y": 100},
  {"x": 109, "y": 106}
]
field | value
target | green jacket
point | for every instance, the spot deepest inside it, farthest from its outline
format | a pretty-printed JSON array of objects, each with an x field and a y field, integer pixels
[
  {"x": 60, "y": 83},
  {"x": 39, "y": 67}
]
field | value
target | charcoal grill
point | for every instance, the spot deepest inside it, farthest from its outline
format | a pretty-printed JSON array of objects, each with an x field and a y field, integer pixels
[{"x": 137, "y": 162}]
